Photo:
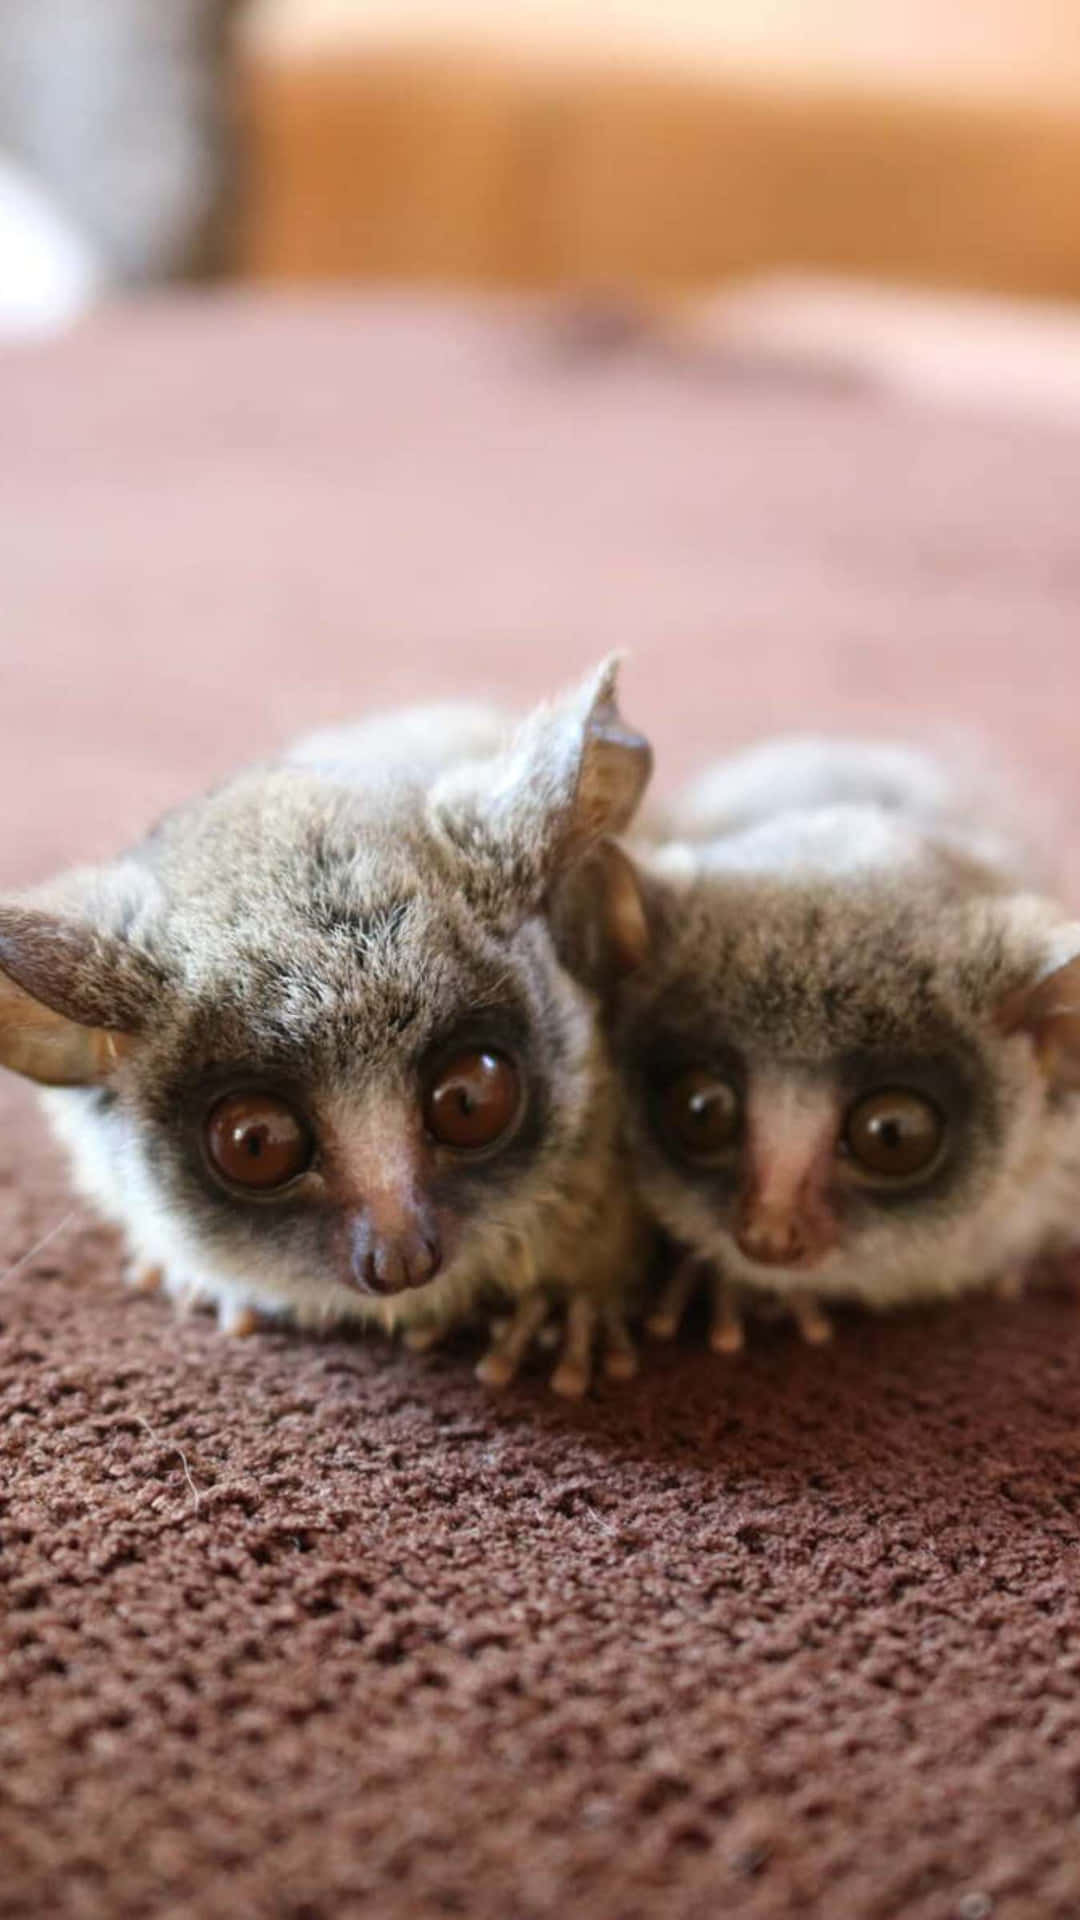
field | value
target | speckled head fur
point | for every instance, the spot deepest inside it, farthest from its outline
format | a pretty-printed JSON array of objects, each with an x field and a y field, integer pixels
[
  {"x": 331, "y": 933},
  {"x": 803, "y": 972}
]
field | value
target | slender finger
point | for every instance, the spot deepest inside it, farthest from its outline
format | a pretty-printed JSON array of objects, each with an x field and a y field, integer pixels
[
  {"x": 1010, "y": 1284},
  {"x": 725, "y": 1324},
  {"x": 237, "y": 1321},
  {"x": 620, "y": 1353},
  {"x": 503, "y": 1358},
  {"x": 423, "y": 1337},
  {"x": 813, "y": 1324},
  {"x": 574, "y": 1371},
  {"x": 666, "y": 1317},
  {"x": 144, "y": 1278}
]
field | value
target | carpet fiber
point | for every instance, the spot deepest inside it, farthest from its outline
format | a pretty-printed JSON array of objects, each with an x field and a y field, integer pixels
[{"x": 300, "y": 1629}]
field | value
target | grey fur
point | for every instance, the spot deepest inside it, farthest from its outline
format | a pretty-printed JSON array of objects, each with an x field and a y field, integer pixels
[
  {"x": 324, "y": 926},
  {"x": 827, "y": 918}
]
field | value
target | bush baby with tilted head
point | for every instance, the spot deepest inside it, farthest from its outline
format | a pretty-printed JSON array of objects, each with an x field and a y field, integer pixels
[{"x": 312, "y": 1044}]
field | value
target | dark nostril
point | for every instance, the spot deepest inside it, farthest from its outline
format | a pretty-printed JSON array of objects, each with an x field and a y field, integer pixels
[
  {"x": 362, "y": 1263},
  {"x": 391, "y": 1273},
  {"x": 426, "y": 1260},
  {"x": 364, "y": 1256}
]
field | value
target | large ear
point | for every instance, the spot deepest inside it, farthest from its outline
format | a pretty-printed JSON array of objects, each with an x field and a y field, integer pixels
[
  {"x": 71, "y": 996},
  {"x": 1048, "y": 1010},
  {"x": 600, "y": 918},
  {"x": 571, "y": 776}
]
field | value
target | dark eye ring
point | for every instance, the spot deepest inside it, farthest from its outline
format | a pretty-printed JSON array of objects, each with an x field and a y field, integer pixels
[
  {"x": 894, "y": 1134},
  {"x": 474, "y": 1100},
  {"x": 701, "y": 1114},
  {"x": 257, "y": 1142}
]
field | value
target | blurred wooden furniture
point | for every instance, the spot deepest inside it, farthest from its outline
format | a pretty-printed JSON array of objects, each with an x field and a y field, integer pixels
[{"x": 663, "y": 142}]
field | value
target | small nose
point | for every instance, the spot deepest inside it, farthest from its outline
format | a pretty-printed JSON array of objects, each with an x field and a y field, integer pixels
[
  {"x": 776, "y": 1241},
  {"x": 382, "y": 1262}
]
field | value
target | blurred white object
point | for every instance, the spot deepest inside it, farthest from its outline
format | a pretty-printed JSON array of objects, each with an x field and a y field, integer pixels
[
  {"x": 49, "y": 274},
  {"x": 120, "y": 109},
  {"x": 971, "y": 350}
]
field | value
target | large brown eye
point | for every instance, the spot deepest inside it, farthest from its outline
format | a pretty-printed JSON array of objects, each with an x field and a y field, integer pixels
[
  {"x": 701, "y": 1114},
  {"x": 255, "y": 1140},
  {"x": 894, "y": 1134},
  {"x": 473, "y": 1101}
]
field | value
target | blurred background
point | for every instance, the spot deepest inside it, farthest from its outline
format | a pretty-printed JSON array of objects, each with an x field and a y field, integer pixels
[
  {"x": 269, "y": 452},
  {"x": 607, "y": 144}
]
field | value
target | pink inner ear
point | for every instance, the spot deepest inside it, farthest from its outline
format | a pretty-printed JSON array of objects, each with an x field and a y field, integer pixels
[
  {"x": 1049, "y": 1012},
  {"x": 616, "y": 767},
  {"x": 628, "y": 923},
  {"x": 46, "y": 1047}
]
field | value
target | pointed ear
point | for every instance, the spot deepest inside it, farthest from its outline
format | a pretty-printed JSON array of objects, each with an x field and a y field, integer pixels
[
  {"x": 571, "y": 775},
  {"x": 54, "y": 1051},
  {"x": 600, "y": 918},
  {"x": 71, "y": 998},
  {"x": 1048, "y": 1010}
]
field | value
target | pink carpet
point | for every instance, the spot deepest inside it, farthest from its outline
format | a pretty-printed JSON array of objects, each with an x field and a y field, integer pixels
[{"x": 305, "y": 1630}]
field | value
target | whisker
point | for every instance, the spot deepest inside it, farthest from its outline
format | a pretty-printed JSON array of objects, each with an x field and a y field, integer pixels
[
  {"x": 32, "y": 1252},
  {"x": 172, "y": 1446}
]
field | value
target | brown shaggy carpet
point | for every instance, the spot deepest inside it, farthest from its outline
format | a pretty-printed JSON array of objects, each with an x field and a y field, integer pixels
[{"x": 309, "y": 1629}]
